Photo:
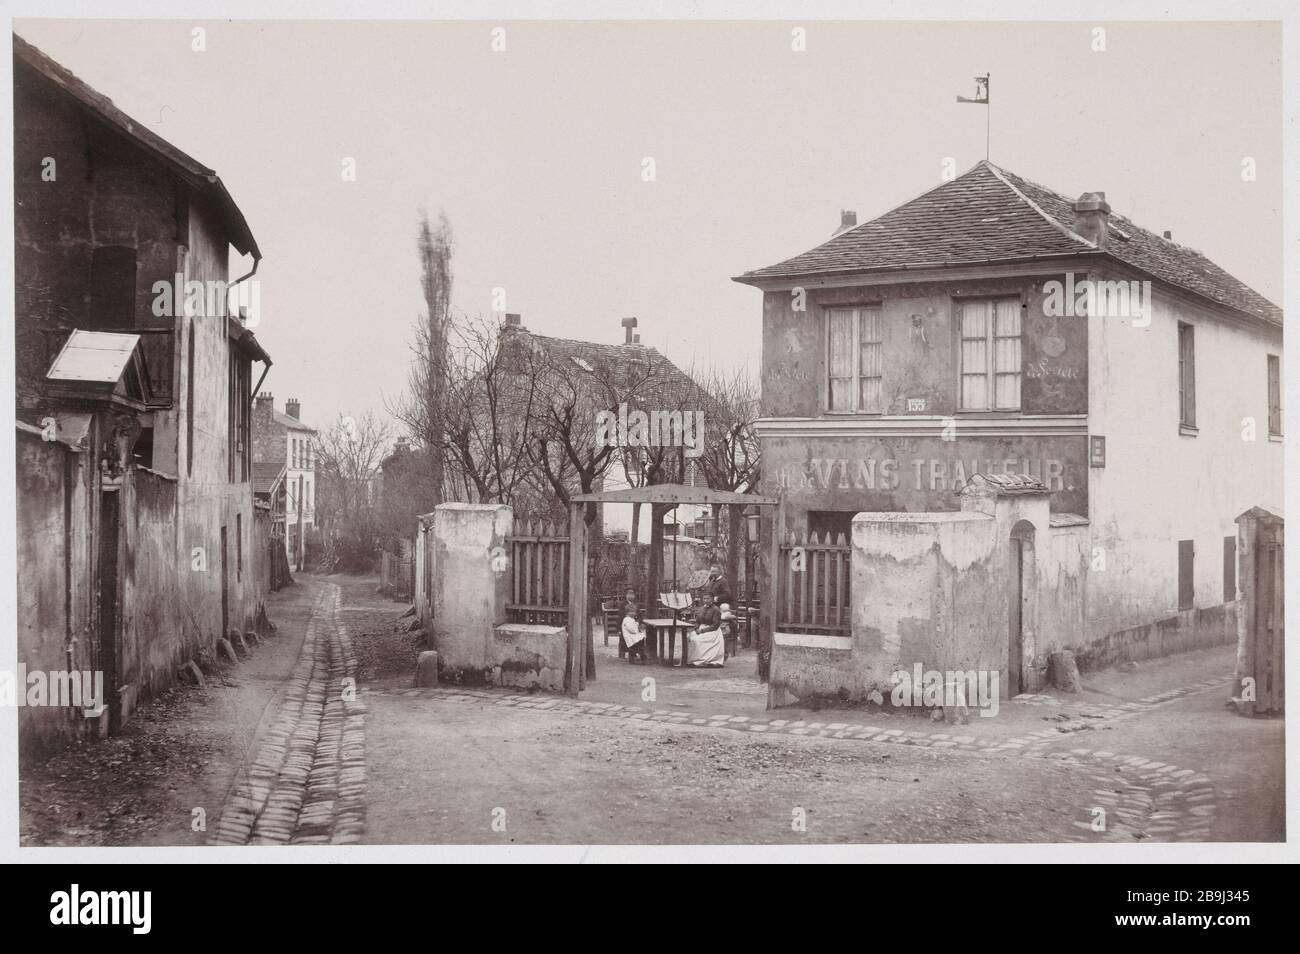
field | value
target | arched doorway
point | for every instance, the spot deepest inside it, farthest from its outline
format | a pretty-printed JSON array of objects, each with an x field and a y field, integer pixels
[{"x": 1023, "y": 590}]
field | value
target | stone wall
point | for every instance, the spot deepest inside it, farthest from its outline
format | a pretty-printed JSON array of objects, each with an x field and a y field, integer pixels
[
  {"x": 468, "y": 586},
  {"x": 938, "y": 591}
]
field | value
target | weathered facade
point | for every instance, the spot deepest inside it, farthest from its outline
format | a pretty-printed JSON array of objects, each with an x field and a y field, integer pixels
[
  {"x": 137, "y": 536},
  {"x": 995, "y": 327},
  {"x": 283, "y": 440}
]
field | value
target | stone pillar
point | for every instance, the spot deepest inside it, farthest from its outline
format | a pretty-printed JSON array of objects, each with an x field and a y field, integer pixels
[{"x": 469, "y": 593}]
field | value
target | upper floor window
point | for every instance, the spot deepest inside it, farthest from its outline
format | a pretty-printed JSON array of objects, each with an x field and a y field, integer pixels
[
  {"x": 990, "y": 355},
  {"x": 112, "y": 287},
  {"x": 853, "y": 352},
  {"x": 239, "y": 419},
  {"x": 1274, "y": 396},
  {"x": 1186, "y": 375}
]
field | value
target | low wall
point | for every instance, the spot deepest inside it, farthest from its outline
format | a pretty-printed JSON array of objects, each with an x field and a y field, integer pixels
[
  {"x": 937, "y": 589},
  {"x": 1190, "y": 629},
  {"x": 528, "y": 655},
  {"x": 934, "y": 596}
]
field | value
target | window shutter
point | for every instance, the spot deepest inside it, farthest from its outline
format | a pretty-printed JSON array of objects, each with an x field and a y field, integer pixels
[
  {"x": 1229, "y": 569},
  {"x": 1186, "y": 591}
]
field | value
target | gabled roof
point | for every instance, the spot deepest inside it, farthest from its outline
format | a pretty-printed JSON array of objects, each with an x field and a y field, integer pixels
[
  {"x": 659, "y": 380},
  {"x": 989, "y": 215},
  {"x": 100, "y": 107}
]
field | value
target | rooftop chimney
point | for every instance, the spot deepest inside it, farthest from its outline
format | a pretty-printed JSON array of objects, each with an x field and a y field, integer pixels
[
  {"x": 514, "y": 320},
  {"x": 1169, "y": 236},
  {"x": 848, "y": 219},
  {"x": 292, "y": 407},
  {"x": 628, "y": 324},
  {"x": 1091, "y": 213},
  {"x": 263, "y": 401}
]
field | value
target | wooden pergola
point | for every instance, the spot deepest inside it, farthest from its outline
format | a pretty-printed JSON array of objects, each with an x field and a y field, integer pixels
[{"x": 671, "y": 495}]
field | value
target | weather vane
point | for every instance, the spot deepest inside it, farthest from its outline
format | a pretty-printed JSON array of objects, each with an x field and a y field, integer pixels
[{"x": 981, "y": 98}]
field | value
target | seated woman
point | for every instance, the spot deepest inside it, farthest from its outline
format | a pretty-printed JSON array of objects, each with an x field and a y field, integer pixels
[{"x": 706, "y": 644}]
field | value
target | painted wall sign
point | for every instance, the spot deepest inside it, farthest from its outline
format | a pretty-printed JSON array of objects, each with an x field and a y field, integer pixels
[
  {"x": 918, "y": 473},
  {"x": 1096, "y": 450}
]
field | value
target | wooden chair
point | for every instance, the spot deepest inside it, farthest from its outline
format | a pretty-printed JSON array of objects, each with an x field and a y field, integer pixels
[
  {"x": 613, "y": 621},
  {"x": 730, "y": 634}
]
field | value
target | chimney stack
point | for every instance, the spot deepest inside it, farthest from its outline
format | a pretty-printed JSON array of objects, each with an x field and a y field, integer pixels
[
  {"x": 263, "y": 402},
  {"x": 514, "y": 320},
  {"x": 848, "y": 219},
  {"x": 1091, "y": 214},
  {"x": 1169, "y": 236},
  {"x": 292, "y": 408},
  {"x": 628, "y": 324}
]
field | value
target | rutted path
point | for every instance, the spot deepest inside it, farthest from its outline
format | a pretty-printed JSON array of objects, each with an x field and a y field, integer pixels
[
  {"x": 307, "y": 783},
  {"x": 1134, "y": 798}
]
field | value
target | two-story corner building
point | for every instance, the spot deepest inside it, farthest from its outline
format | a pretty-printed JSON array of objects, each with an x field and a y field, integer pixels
[
  {"x": 283, "y": 439},
  {"x": 992, "y": 326},
  {"x": 137, "y": 546}
]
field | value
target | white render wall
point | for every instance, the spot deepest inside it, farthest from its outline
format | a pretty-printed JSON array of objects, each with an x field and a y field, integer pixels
[{"x": 1158, "y": 486}]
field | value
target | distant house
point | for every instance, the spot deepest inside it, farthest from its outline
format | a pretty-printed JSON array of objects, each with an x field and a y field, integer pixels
[
  {"x": 138, "y": 541},
  {"x": 658, "y": 387},
  {"x": 283, "y": 440}
]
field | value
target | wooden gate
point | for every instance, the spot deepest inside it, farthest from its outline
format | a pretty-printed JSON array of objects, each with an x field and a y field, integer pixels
[
  {"x": 539, "y": 564},
  {"x": 814, "y": 585},
  {"x": 1261, "y": 629}
]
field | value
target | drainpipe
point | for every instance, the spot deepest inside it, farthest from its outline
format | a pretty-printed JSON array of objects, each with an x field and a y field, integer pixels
[{"x": 257, "y": 260}]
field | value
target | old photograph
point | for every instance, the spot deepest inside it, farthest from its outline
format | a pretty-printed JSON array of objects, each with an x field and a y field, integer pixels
[{"x": 647, "y": 432}]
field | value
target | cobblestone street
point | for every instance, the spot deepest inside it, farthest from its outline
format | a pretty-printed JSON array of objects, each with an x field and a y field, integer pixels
[{"x": 307, "y": 784}]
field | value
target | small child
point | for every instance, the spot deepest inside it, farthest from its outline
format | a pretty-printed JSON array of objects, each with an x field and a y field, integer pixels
[{"x": 634, "y": 638}]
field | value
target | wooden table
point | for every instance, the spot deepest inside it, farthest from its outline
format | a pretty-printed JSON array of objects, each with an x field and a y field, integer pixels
[{"x": 656, "y": 629}]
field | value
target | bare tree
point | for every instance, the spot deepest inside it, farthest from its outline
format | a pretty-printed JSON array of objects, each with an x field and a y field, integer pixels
[
  {"x": 571, "y": 395},
  {"x": 492, "y": 392},
  {"x": 348, "y": 455},
  {"x": 731, "y": 459},
  {"x": 423, "y": 409}
]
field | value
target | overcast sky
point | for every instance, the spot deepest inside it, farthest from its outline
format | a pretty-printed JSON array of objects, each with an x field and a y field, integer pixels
[{"x": 536, "y": 155}]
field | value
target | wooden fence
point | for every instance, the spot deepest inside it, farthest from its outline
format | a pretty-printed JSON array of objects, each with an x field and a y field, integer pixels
[
  {"x": 813, "y": 589},
  {"x": 539, "y": 566},
  {"x": 397, "y": 572}
]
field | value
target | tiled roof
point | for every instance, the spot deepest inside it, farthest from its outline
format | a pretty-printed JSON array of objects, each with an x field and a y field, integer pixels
[
  {"x": 290, "y": 422},
  {"x": 660, "y": 381},
  {"x": 991, "y": 215}
]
